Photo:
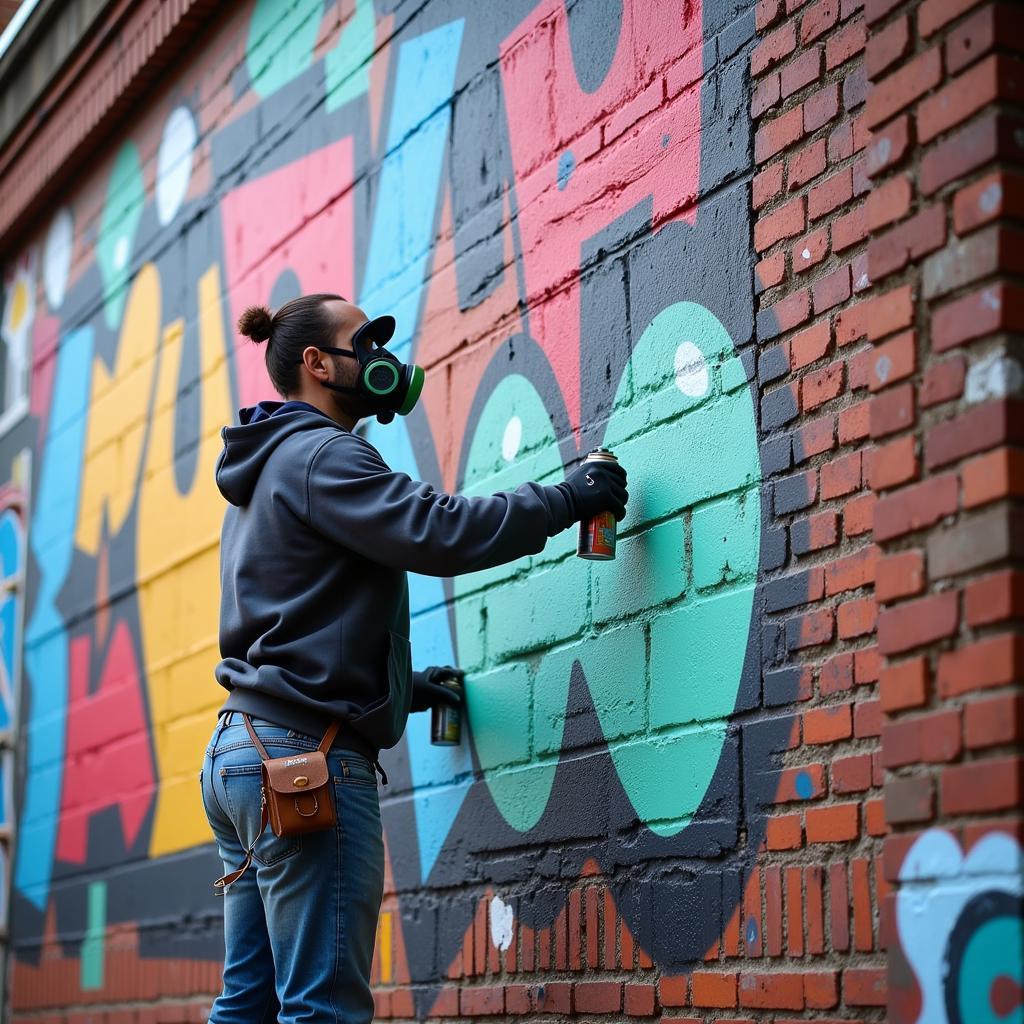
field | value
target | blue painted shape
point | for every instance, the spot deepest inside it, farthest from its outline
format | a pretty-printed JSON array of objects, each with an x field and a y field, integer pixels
[
  {"x": 441, "y": 776},
  {"x": 751, "y": 931},
  {"x": 804, "y": 786},
  {"x": 665, "y": 140},
  {"x": 52, "y": 536},
  {"x": 10, "y": 552},
  {"x": 407, "y": 194},
  {"x": 566, "y": 165}
]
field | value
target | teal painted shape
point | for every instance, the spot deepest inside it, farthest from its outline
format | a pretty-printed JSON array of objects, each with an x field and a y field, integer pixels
[
  {"x": 725, "y": 546},
  {"x": 280, "y": 44},
  {"x": 347, "y": 66},
  {"x": 995, "y": 950},
  {"x": 92, "y": 955},
  {"x": 119, "y": 222},
  {"x": 683, "y": 442}
]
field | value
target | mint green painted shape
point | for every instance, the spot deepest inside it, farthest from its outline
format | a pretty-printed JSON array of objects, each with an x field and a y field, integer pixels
[
  {"x": 683, "y": 442},
  {"x": 498, "y": 704},
  {"x": 282, "y": 35},
  {"x": 347, "y": 66},
  {"x": 92, "y": 954},
  {"x": 119, "y": 221},
  {"x": 725, "y": 546}
]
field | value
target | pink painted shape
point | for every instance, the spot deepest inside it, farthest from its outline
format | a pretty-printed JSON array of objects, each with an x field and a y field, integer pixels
[
  {"x": 1005, "y": 995},
  {"x": 616, "y": 137},
  {"x": 299, "y": 218},
  {"x": 108, "y": 759},
  {"x": 45, "y": 337}
]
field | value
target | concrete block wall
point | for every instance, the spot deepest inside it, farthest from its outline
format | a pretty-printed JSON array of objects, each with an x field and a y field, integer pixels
[{"x": 761, "y": 767}]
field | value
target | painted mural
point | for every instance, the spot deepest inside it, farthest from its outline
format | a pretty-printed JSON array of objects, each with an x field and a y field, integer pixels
[{"x": 553, "y": 200}]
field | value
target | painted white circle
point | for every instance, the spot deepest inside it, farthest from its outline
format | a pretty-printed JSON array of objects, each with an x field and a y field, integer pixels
[
  {"x": 174, "y": 163},
  {"x": 691, "y": 370},
  {"x": 57, "y": 257},
  {"x": 121, "y": 253},
  {"x": 512, "y": 438}
]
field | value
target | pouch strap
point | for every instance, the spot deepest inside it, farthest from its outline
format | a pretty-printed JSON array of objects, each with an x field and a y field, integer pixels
[
  {"x": 325, "y": 743},
  {"x": 220, "y": 886}
]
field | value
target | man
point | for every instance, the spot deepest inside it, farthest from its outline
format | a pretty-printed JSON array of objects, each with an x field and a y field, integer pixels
[{"x": 317, "y": 539}]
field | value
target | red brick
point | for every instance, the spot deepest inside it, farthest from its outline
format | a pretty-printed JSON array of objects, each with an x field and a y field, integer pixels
[
  {"x": 909, "y": 800},
  {"x": 996, "y": 307},
  {"x": 855, "y": 422},
  {"x": 481, "y": 1001},
  {"x": 994, "y": 722},
  {"x": 791, "y": 311},
  {"x": 555, "y": 997},
  {"x": 821, "y": 532},
  {"x": 852, "y": 572},
  {"x": 894, "y": 360},
  {"x": 887, "y": 313},
  {"x": 639, "y": 1000},
  {"x": 774, "y": 136},
  {"x": 914, "y": 623},
  {"x": 995, "y": 196},
  {"x": 851, "y": 774},
  {"x": 784, "y": 833},
  {"x": 673, "y": 991},
  {"x": 899, "y": 575},
  {"x": 713, "y": 989},
  {"x": 993, "y": 784},
  {"x": 818, "y": 20},
  {"x": 867, "y": 664},
  {"x": 856, "y": 618},
  {"x": 845, "y": 44},
  {"x": 993, "y": 661},
  {"x": 786, "y": 790},
  {"x": 889, "y": 146},
  {"x": 831, "y": 290},
  {"x": 859, "y": 366},
  {"x": 828, "y": 724},
  {"x": 933, "y": 738},
  {"x": 981, "y": 141},
  {"x": 904, "y": 685},
  {"x": 773, "y": 49},
  {"x": 809, "y": 251},
  {"x": 785, "y": 222},
  {"x": 838, "y": 823},
  {"x": 943, "y": 381},
  {"x": 864, "y": 986},
  {"x": 772, "y": 991},
  {"x": 913, "y": 508},
  {"x": 992, "y": 476},
  {"x": 858, "y": 515},
  {"x": 889, "y": 202},
  {"x": 810, "y": 629},
  {"x": 767, "y": 13},
  {"x": 801, "y": 71},
  {"x": 820, "y": 107},
  {"x": 820, "y": 386},
  {"x": 767, "y": 184},
  {"x": 836, "y": 675},
  {"x": 815, "y": 437},
  {"x": 892, "y": 464},
  {"x": 767, "y": 93},
  {"x": 841, "y": 476},
  {"x": 996, "y": 77},
  {"x": 771, "y": 270},
  {"x": 921, "y": 234},
  {"x": 978, "y": 429},
  {"x": 906, "y": 84},
  {"x": 808, "y": 163},
  {"x": 830, "y": 194},
  {"x": 994, "y": 598},
  {"x": 892, "y": 411},
  {"x": 934, "y": 14},
  {"x": 849, "y": 229},
  {"x": 598, "y": 996},
  {"x": 810, "y": 345},
  {"x": 886, "y": 46}
]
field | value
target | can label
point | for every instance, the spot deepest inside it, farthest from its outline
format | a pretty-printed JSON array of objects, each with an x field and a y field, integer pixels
[
  {"x": 446, "y": 721},
  {"x": 597, "y": 535}
]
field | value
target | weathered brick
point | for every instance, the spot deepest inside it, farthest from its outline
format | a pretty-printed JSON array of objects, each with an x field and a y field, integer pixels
[
  {"x": 899, "y": 575},
  {"x": 997, "y": 597},
  {"x": 768, "y": 184},
  {"x": 809, "y": 251},
  {"x": 814, "y": 533},
  {"x": 892, "y": 411},
  {"x": 711, "y": 989},
  {"x": 820, "y": 386},
  {"x": 776, "y": 135},
  {"x": 766, "y": 94},
  {"x": 909, "y": 800},
  {"x": 990, "y": 785},
  {"x": 943, "y": 381},
  {"x": 886, "y": 46},
  {"x": 810, "y": 345},
  {"x": 858, "y": 515},
  {"x": 864, "y": 986},
  {"x": 998, "y": 306},
  {"x": 978, "y": 429},
  {"x": 830, "y": 194},
  {"x": 856, "y": 618},
  {"x": 915, "y": 623},
  {"x": 935, "y": 14},
  {"x": 785, "y": 222},
  {"x": 838, "y": 823},
  {"x": 889, "y": 202},
  {"x": 993, "y": 661},
  {"x": 818, "y": 20},
  {"x": 892, "y": 251},
  {"x": 807, "y": 164},
  {"x": 849, "y": 230},
  {"x": 820, "y": 107},
  {"x": 801, "y": 71},
  {"x": 889, "y": 465},
  {"x": 994, "y": 197},
  {"x": 933, "y": 738},
  {"x": 906, "y": 84},
  {"x": 894, "y": 360},
  {"x": 831, "y": 290},
  {"x": 776, "y": 991},
  {"x": 904, "y": 684},
  {"x": 855, "y": 422},
  {"x": 982, "y": 140},
  {"x": 841, "y": 476},
  {"x": 915, "y": 507},
  {"x": 845, "y": 44},
  {"x": 889, "y": 145},
  {"x": 773, "y": 48},
  {"x": 994, "y": 722},
  {"x": 598, "y": 996}
]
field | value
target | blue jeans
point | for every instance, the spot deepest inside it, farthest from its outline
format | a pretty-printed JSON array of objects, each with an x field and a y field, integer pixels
[{"x": 300, "y": 924}]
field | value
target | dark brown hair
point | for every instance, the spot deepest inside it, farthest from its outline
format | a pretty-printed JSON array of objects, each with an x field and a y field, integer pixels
[{"x": 297, "y": 324}]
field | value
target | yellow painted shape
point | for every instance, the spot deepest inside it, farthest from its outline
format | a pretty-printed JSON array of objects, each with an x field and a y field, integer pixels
[
  {"x": 178, "y": 577},
  {"x": 386, "y": 965},
  {"x": 118, "y": 404}
]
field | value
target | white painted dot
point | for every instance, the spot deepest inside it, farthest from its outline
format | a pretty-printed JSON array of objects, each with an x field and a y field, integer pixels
[
  {"x": 502, "y": 919},
  {"x": 512, "y": 438},
  {"x": 691, "y": 370},
  {"x": 57, "y": 257},
  {"x": 174, "y": 163},
  {"x": 806, "y": 254},
  {"x": 121, "y": 253}
]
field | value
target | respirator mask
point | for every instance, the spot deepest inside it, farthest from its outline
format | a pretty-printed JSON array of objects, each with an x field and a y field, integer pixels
[{"x": 385, "y": 383}]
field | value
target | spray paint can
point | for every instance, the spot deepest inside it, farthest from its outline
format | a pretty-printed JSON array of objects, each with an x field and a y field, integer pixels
[
  {"x": 597, "y": 535},
  {"x": 445, "y": 719}
]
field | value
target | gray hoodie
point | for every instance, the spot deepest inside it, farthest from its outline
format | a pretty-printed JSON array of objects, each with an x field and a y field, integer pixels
[{"x": 316, "y": 541}]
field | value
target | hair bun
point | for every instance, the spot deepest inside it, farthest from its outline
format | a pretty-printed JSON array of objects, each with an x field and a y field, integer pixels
[{"x": 256, "y": 323}]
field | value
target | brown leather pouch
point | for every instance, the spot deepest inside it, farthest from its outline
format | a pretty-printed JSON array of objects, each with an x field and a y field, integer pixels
[{"x": 296, "y": 798}]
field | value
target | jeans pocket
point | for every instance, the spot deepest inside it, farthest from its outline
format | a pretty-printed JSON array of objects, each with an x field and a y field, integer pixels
[{"x": 244, "y": 791}]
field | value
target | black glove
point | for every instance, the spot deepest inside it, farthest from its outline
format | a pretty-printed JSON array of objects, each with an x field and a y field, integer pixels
[
  {"x": 427, "y": 689},
  {"x": 596, "y": 487}
]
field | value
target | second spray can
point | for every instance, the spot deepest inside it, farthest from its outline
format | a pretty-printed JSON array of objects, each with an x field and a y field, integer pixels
[{"x": 597, "y": 535}]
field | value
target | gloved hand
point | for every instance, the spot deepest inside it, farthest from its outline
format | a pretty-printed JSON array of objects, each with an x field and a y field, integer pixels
[
  {"x": 427, "y": 689},
  {"x": 596, "y": 487}
]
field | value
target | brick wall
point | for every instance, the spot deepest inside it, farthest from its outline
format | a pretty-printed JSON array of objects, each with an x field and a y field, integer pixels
[{"x": 763, "y": 767}]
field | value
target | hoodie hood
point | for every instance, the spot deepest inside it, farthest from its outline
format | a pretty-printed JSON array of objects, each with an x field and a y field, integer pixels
[{"x": 248, "y": 446}]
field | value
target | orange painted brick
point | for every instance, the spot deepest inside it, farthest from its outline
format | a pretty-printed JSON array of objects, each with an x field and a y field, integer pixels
[
  {"x": 916, "y": 507},
  {"x": 711, "y": 989},
  {"x": 994, "y": 722},
  {"x": 994, "y": 598},
  {"x": 775, "y": 991},
  {"x": 914, "y": 623},
  {"x": 856, "y": 618},
  {"x": 898, "y": 90},
  {"x": 810, "y": 344},
  {"x": 993, "y": 784},
  {"x": 838, "y": 823},
  {"x": 993, "y": 661},
  {"x": 996, "y": 77},
  {"x": 784, "y": 833},
  {"x": 894, "y": 360},
  {"x": 899, "y": 575},
  {"x": 992, "y": 476},
  {"x": 673, "y": 991}
]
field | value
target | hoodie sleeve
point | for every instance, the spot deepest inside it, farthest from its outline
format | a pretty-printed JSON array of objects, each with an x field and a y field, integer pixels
[{"x": 357, "y": 500}]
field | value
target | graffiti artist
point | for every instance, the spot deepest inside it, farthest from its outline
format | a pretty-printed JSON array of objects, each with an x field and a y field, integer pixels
[{"x": 317, "y": 538}]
